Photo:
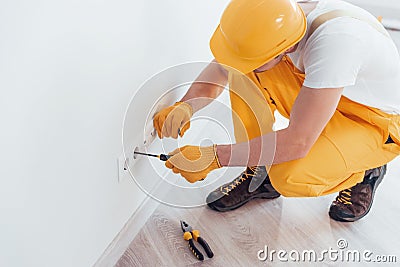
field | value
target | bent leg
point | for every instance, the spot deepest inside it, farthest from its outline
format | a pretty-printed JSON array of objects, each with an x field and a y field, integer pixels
[
  {"x": 252, "y": 111},
  {"x": 337, "y": 161}
]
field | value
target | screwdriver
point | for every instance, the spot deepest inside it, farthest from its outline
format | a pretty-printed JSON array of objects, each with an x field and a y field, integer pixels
[{"x": 162, "y": 157}]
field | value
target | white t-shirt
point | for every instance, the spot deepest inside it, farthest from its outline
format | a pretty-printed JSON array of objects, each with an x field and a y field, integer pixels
[{"x": 350, "y": 53}]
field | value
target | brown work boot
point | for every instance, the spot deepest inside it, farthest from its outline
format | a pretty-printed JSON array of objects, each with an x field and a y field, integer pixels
[
  {"x": 232, "y": 195},
  {"x": 354, "y": 203}
]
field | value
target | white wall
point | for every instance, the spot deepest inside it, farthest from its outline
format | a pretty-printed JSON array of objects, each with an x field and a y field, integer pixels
[
  {"x": 67, "y": 72},
  {"x": 385, "y": 8}
]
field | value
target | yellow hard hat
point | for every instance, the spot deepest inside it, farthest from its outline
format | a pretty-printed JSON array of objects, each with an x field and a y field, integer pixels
[{"x": 252, "y": 32}]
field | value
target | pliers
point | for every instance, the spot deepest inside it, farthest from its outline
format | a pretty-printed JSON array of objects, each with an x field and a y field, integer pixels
[{"x": 189, "y": 235}]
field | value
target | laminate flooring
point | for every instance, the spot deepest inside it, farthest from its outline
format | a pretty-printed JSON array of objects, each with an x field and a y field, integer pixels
[{"x": 280, "y": 224}]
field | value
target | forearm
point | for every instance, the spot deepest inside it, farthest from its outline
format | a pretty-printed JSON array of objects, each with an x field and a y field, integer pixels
[
  {"x": 272, "y": 148},
  {"x": 208, "y": 86}
]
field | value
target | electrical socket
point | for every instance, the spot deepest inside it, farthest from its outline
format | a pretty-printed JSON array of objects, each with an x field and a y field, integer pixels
[{"x": 123, "y": 171}]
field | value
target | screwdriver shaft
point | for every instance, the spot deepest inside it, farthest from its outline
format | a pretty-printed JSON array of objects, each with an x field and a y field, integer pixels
[
  {"x": 162, "y": 157},
  {"x": 146, "y": 154}
]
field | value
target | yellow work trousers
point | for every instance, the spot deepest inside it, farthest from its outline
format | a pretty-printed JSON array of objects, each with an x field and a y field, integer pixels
[{"x": 353, "y": 141}]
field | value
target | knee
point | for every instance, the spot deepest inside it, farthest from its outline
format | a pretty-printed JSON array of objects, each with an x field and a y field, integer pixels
[{"x": 292, "y": 180}]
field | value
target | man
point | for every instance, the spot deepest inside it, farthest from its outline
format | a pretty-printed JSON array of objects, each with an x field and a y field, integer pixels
[{"x": 332, "y": 70}]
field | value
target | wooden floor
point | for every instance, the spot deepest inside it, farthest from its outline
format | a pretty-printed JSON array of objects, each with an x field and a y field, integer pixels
[{"x": 284, "y": 223}]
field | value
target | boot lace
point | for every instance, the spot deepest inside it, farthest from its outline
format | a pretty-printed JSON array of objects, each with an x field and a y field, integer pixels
[
  {"x": 344, "y": 197},
  {"x": 225, "y": 189}
]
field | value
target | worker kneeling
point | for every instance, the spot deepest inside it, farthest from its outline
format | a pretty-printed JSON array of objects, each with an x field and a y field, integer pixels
[{"x": 331, "y": 69}]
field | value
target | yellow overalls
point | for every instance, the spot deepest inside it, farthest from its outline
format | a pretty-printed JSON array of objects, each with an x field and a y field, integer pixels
[{"x": 353, "y": 140}]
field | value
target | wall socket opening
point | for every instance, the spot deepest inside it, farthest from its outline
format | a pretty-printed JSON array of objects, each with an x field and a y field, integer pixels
[
  {"x": 126, "y": 164},
  {"x": 135, "y": 150},
  {"x": 123, "y": 168}
]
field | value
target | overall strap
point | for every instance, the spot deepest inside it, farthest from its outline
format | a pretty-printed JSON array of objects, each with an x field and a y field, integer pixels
[{"x": 345, "y": 13}]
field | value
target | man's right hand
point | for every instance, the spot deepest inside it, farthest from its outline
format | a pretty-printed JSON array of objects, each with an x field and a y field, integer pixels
[{"x": 173, "y": 120}]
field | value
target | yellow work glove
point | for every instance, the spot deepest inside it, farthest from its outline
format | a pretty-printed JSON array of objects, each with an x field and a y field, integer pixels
[
  {"x": 173, "y": 120},
  {"x": 193, "y": 162}
]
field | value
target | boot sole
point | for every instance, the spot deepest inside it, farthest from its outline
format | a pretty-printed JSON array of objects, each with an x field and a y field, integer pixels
[
  {"x": 261, "y": 195},
  {"x": 340, "y": 219}
]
